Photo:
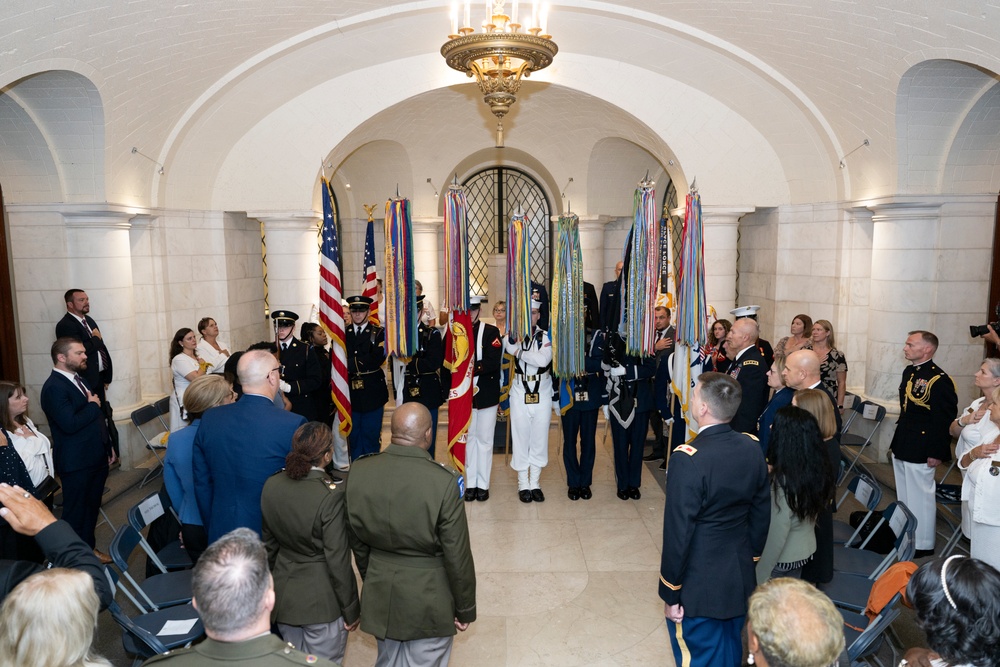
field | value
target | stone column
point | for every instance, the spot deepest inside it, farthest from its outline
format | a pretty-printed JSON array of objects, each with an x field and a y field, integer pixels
[
  {"x": 721, "y": 225},
  {"x": 292, "y": 261},
  {"x": 592, "y": 248},
  {"x": 428, "y": 257},
  {"x": 99, "y": 261}
]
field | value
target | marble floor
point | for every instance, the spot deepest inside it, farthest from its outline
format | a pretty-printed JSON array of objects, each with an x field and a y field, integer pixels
[{"x": 561, "y": 582}]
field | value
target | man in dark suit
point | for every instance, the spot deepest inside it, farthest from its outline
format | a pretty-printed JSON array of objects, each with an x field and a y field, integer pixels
[
  {"x": 412, "y": 547},
  {"x": 238, "y": 446},
  {"x": 750, "y": 371},
  {"x": 77, "y": 323},
  {"x": 715, "y": 522},
  {"x": 663, "y": 348},
  {"x": 609, "y": 294},
  {"x": 802, "y": 372},
  {"x": 365, "y": 347},
  {"x": 81, "y": 449},
  {"x": 299, "y": 364}
]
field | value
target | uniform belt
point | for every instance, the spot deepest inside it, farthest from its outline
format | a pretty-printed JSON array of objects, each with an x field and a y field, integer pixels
[
  {"x": 297, "y": 558},
  {"x": 427, "y": 562},
  {"x": 426, "y": 374},
  {"x": 366, "y": 372},
  {"x": 531, "y": 378}
]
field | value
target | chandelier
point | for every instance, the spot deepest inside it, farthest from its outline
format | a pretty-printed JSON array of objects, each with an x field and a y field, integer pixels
[{"x": 500, "y": 54}]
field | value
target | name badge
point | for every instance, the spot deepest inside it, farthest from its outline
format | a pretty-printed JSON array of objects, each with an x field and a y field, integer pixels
[
  {"x": 581, "y": 396},
  {"x": 531, "y": 399},
  {"x": 357, "y": 384},
  {"x": 414, "y": 391}
]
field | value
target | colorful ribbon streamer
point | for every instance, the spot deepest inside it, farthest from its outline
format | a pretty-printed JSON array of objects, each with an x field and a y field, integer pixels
[
  {"x": 401, "y": 304},
  {"x": 456, "y": 250},
  {"x": 567, "y": 332},
  {"x": 518, "y": 279},
  {"x": 640, "y": 284}
]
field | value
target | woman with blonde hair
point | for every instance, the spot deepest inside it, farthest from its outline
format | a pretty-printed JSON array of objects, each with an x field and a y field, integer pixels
[
  {"x": 832, "y": 363},
  {"x": 204, "y": 393},
  {"x": 782, "y": 397},
  {"x": 791, "y": 623},
  {"x": 817, "y": 403},
  {"x": 50, "y": 619},
  {"x": 305, "y": 532}
]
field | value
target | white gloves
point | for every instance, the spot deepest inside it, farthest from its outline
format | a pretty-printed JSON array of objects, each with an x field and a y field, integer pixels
[{"x": 616, "y": 371}]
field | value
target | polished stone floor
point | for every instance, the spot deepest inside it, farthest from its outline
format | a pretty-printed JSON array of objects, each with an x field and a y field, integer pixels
[{"x": 560, "y": 582}]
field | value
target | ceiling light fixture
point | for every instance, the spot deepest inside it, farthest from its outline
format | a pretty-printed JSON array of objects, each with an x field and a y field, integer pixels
[{"x": 501, "y": 54}]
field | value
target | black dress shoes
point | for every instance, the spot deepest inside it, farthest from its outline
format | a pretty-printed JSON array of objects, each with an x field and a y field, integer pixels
[
  {"x": 922, "y": 553},
  {"x": 537, "y": 495},
  {"x": 573, "y": 493},
  {"x": 663, "y": 466},
  {"x": 585, "y": 493},
  {"x": 524, "y": 496},
  {"x": 482, "y": 494},
  {"x": 652, "y": 457},
  {"x": 622, "y": 494},
  {"x": 470, "y": 494},
  {"x": 634, "y": 493}
]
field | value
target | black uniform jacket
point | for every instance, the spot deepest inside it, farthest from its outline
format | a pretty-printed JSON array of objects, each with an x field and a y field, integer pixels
[
  {"x": 751, "y": 372},
  {"x": 927, "y": 406},
  {"x": 715, "y": 523},
  {"x": 365, "y": 356},
  {"x": 303, "y": 376},
  {"x": 487, "y": 366},
  {"x": 423, "y": 372}
]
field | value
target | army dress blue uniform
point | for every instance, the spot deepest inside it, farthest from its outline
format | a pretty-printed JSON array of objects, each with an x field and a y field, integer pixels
[
  {"x": 715, "y": 524},
  {"x": 302, "y": 374},
  {"x": 422, "y": 383},
  {"x": 588, "y": 394},
  {"x": 750, "y": 371},
  {"x": 630, "y": 400},
  {"x": 365, "y": 345}
]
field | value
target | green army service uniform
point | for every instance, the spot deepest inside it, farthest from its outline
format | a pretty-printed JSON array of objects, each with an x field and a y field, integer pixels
[
  {"x": 265, "y": 651},
  {"x": 305, "y": 533},
  {"x": 413, "y": 550}
]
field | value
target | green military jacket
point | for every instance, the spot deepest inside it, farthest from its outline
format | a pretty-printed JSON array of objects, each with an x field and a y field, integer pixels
[
  {"x": 305, "y": 532},
  {"x": 412, "y": 545},
  {"x": 265, "y": 651}
]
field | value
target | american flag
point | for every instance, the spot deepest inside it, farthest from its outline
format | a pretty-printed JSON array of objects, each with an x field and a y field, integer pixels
[
  {"x": 331, "y": 312},
  {"x": 369, "y": 289}
]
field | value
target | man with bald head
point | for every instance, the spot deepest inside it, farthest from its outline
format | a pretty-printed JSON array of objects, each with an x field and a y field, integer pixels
[
  {"x": 238, "y": 446},
  {"x": 802, "y": 372},
  {"x": 411, "y": 543},
  {"x": 749, "y": 370}
]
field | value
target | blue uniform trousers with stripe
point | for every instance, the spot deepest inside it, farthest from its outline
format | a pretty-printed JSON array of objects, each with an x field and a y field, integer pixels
[
  {"x": 707, "y": 642},
  {"x": 366, "y": 432}
]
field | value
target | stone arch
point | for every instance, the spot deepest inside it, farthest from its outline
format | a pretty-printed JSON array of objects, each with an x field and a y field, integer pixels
[
  {"x": 52, "y": 139},
  {"x": 945, "y": 110},
  {"x": 374, "y": 171},
  {"x": 616, "y": 166}
]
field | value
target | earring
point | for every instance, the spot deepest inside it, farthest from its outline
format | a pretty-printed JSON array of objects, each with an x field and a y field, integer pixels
[{"x": 750, "y": 659}]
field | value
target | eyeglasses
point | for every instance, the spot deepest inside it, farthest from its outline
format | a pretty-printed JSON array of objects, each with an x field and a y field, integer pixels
[{"x": 280, "y": 369}]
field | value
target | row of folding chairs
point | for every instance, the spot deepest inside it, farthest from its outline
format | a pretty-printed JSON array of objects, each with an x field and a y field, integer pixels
[
  {"x": 166, "y": 618},
  {"x": 149, "y": 421}
]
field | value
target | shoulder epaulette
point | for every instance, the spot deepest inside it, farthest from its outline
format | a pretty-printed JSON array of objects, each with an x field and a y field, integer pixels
[
  {"x": 751, "y": 362},
  {"x": 686, "y": 449},
  {"x": 368, "y": 455},
  {"x": 751, "y": 436}
]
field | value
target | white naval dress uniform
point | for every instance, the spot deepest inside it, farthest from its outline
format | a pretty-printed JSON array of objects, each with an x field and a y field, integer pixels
[{"x": 529, "y": 422}]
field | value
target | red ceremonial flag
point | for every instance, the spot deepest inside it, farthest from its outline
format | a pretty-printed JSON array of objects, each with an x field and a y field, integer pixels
[
  {"x": 370, "y": 286},
  {"x": 331, "y": 312},
  {"x": 458, "y": 359}
]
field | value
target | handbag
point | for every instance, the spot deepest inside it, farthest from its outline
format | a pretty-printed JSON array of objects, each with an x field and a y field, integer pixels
[{"x": 46, "y": 488}]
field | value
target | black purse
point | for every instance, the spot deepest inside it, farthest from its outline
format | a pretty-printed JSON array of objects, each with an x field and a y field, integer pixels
[{"x": 46, "y": 488}]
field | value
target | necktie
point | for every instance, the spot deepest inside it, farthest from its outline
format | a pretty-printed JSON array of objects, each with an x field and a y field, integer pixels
[
  {"x": 284, "y": 346},
  {"x": 81, "y": 385},
  {"x": 105, "y": 358}
]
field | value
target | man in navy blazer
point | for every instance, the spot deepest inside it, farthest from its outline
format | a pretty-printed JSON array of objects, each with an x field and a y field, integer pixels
[
  {"x": 239, "y": 446},
  {"x": 77, "y": 323},
  {"x": 81, "y": 448}
]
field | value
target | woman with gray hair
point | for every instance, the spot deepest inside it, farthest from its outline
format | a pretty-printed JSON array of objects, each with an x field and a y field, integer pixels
[
  {"x": 50, "y": 619},
  {"x": 973, "y": 427},
  {"x": 791, "y": 623}
]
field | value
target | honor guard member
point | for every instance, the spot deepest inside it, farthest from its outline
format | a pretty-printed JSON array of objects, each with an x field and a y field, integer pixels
[
  {"x": 927, "y": 406},
  {"x": 314, "y": 335},
  {"x": 488, "y": 350},
  {"x": 750, "y": 312},
  {"x": 422, "y": 382},
  {"x": 299, "y": 366},
  {"x": 750, "y": 370},
  {"x": 365, "y": 343},
  {"x": 541, "y": 295},
  {"x": 234, "y": 594},
  {"x": 530, "y": 404},
  {"x": 630, "y": 400},
  {"x": 715, "y": 522},
  {"x": 587, "y": 394},
  {"x": 411, "y": 545}
]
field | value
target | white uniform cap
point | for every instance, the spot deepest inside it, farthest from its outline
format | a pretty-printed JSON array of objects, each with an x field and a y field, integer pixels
[
  {"x": 535, "y": 304},
  {"x": 745, "y": 311},
  {"x": 477, "y": 299}
]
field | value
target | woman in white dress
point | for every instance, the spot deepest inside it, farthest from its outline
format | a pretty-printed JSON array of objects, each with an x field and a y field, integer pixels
[
  {"x": 30, "y": 443},
  {"x": 185, "y": 366},
  {"x": 973, "y": 426},
  {"x": 210, "y": 348},
  {"x": 981, "y": 488}
]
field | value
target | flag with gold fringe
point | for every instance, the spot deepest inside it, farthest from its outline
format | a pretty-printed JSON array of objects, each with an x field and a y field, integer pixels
[
  {"x": 458, "y": 341},
  {"x": 689, "y": 352},
  {"x": 518, "y": 278},
  {"x": 331, "y": 312},
  {"x": 401, "y": 302}
]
